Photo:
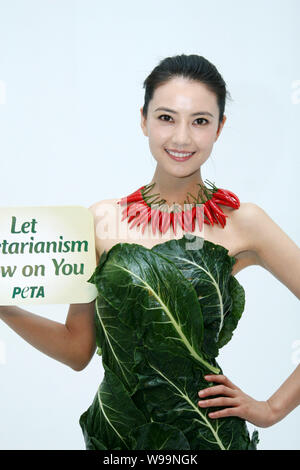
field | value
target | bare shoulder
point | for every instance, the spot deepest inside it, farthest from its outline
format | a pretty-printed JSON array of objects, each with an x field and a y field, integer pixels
[
  {"x": 254, "y": 232},
  {"x": 105, "y": 210},
  {"x": 244, "y": 216},
  {"x": 99, "y": 204},
  {"x": 238, "y": 240},
  {"x": 105, "y": 215},
  {"x": 258, "y": 228},
  {"x": 250, "y": 223}
]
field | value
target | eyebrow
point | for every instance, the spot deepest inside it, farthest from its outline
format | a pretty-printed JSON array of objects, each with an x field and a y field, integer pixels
[{"x": 175, "y": 112}]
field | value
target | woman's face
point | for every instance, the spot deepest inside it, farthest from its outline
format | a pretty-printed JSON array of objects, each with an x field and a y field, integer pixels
[{"x": 189, "y": 122}]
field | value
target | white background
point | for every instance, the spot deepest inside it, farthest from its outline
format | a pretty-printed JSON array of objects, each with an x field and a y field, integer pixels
[{"x": 71, "y": 75}]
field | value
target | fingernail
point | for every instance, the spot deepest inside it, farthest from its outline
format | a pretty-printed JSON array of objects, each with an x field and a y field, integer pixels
[{"x": 201, "y": 392}]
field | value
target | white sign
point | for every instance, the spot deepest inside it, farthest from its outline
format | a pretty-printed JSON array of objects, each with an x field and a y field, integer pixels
[{"x": 47, "y": 255}]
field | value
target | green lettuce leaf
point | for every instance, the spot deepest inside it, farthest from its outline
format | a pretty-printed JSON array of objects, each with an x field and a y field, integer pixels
[
  {"x": 115, "y": 340},
  {"x": 168, "y": 393},
  {"x": 161, "y": 317},
  {"x": 208, "y": 267},
  {"x": 154, "y": 299},
  {"x": 158, "y": 436},
  {"x": 112, "y": 415}
]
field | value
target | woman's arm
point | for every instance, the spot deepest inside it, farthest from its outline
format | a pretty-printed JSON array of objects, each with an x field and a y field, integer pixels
[
  {"x": 72, "y": 343},
  {"x": 275, "y": 250},
  {"x": 287, "y": 397},
  {"x": 280, "y": 255}
]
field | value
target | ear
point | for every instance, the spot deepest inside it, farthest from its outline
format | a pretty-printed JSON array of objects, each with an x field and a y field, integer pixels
[
  {"x": 143, "y": 123},
  {"x": 220, "y": 127}
]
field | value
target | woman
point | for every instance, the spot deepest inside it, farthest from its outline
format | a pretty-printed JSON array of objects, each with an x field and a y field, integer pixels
[{"x": 183, "y": 116}]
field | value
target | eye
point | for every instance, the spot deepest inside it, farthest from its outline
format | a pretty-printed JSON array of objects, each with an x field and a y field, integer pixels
[
  {"x": 167, "y": 120},
  {"x": 202, "y": 119},
  {"x": 164, "y": 115}
]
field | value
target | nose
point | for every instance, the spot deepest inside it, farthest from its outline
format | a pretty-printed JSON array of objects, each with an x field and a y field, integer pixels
[{"x": 181, "y": 136}]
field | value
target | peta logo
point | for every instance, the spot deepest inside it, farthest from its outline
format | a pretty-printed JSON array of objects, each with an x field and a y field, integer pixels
[{"x": 2, "y": 92}]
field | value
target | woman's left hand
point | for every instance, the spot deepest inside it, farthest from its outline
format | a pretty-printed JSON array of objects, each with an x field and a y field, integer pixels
[{"x": 240, "y": 404}]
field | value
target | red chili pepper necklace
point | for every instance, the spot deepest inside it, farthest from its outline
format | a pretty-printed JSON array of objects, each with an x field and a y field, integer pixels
[{"x": 141, "y": 209}]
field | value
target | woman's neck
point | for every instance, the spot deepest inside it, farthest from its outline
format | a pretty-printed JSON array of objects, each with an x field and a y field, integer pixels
[{"x": 177, "y": 190}]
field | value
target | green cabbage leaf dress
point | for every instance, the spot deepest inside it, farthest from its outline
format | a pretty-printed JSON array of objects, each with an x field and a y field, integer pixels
[{"x": 161, "y": 316}]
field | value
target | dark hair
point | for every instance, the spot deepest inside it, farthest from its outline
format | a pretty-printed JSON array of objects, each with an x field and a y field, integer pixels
[{"x": 193, "y": 67}]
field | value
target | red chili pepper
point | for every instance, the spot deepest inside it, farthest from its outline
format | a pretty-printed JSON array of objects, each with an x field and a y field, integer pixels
[
  {"x": 154, "y": 217},
  {"x": 146, "y": 222},
  {"x": 136, "y": 197},
  {"x": 230, "y": 193},
  {"x": 208, "y": 214},
  {"x": 219, "y": 219},
  {"x": 200, "y": 216},
  {"x": 171, "y": 219},
  {"x": 143, "y": 216},
  {"x": 219, "y": 214},
  {"x": 222, "y": 195},
  {"x": 217, "y": 200},
  {"x": 139, "y": 217},
  {"x": 187, "y": 220},
  {"x": 215, "y": 207},
  {"x": 135, "y": 208},
  {"x": 159, "y": 221},
  {"x": 125, "y": 212},
  {"x": 131, "y": 197},
  {"x": 213, "y": 214},
  {"x": 165, "y": 221},
  {"x": 193, "y": 218},
  {"x": 174, "y": 221},
  {"x": 226, "y": 195},
  {"x": 223, "y": 220},
  {"x": 226, "y": 203},
  {"x": 180, "y": 219},
  {"x": 218, "y": 222}
]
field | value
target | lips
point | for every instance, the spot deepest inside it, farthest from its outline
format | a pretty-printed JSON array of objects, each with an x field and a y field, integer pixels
[
  {"x": 179, "y": 151},
  {"x": 180, "y": 159}
]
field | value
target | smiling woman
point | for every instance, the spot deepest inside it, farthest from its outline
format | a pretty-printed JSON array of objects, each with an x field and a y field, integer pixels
[
  {"x": 192, "y": 94},
  {"x": 164, "y": 311},
  {"x": 168, "y": 304}
]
